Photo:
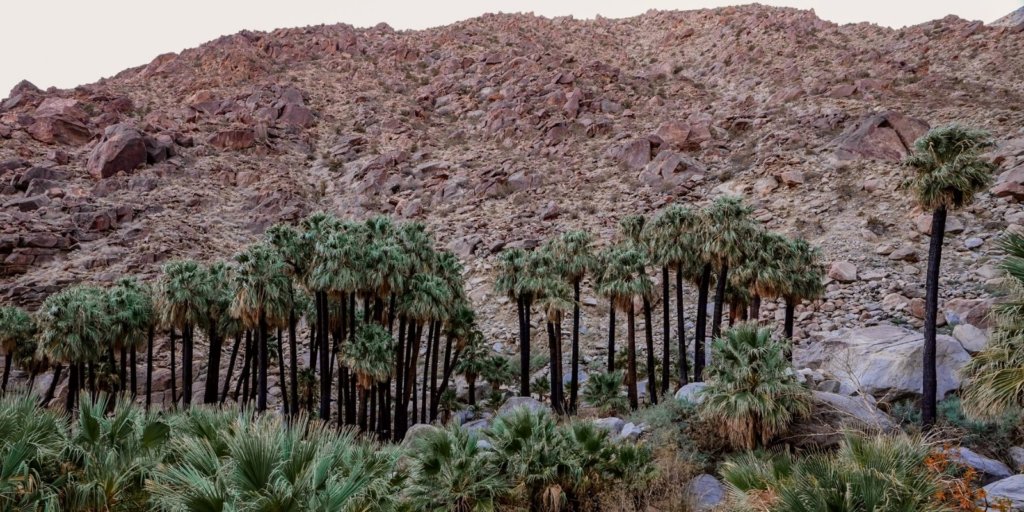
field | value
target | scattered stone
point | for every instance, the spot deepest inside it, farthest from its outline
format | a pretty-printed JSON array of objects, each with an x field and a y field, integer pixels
[
  {"x": 907, "y": 254},
  {"x": 418, "y": 431},
  {"x": 973, "y": 242},
  {"x": 1017, "y": 457},
  {"x": 234, "y": 139},
  {"x": 630, "y": 432},
  {"x": 1010, "y": 489},
  {"x": 990, "y": 469},
  {"x": 973, "y": 339},
  {"x": 517, "y": 402},
  {"x": 884, "y": 136},
  {"x": 792, "y": 178},
  {"x": 704, "y": 493},
  {"x": 613, "y": 425},
  {"x": 843, "y": 271}
]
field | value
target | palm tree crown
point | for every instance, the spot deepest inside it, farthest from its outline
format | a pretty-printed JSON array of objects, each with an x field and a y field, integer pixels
[
  {"x": 949, "y": 169},
  {"x": 369, "y": 355}
]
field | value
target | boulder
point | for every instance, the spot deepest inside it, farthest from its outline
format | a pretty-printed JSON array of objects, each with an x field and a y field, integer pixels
[
  {"x": 923, "y": 223},
  {"x": 630, "y": 432},
  {"x": 59, "y": 130},
  {"x": 670, "y": 169},
  {"x": 990, "y": 469},
  {"x": 704, "y": 493},
  {"x": 297, "y": 115},
  {"x": 792, "y": 178},
  {"x": 1017, "y": 457},
  {"x": 882, "y": 136},
  {"x": 418, "y": 431},
  {"x": 1010, "y": 184},
  {"x": 1009, "y": 489},
  {"x": 970, "y": 337},
  {"x": 843, "y": 271},
  {"x": 691, "y": 392},
  {"x": 676, "y": 134},
  {"x": 968, "y": 311},
  {"x": 633, "y": 155},
  {"x": 885, "y": 360},
  {"x": 905, "y": 253},
  {"x": 518, "y": 402},
  {"x": 613, "y": 425},
  {"x": 27, "y": 204},
  {"x": 860, "y": 411},
  {"x": 122, "y": 148},
  {"x": 233, "y": 139}
]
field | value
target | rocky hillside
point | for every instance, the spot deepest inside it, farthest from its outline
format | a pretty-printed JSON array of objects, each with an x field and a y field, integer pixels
[{"x": 502, "y": 130}]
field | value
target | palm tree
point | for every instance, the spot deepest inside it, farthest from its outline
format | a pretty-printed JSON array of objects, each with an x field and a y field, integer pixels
[
  {"x": 604, "y": 271},
  {"x": 763, "y": 273},
  {"x": 297, "y": 253},
  {"x": 183, "y": 294},
  {"x": 803, "y": 272},
  {"x": 995, "y": 376},
  {"x": 472, "y": 364},
  {"x": 73, "y": 325},
  {"x": 574, "y": 253},
  {"x": 427, "y": 299},
  {"x": 512, "y": 267},
  {"x": 604, "y": 391},
  {"x": 369, "y": 355},
  {"x": 553, "y": 298},
  {"x": 948, "y": 171},
  {"x": 451, "y": 471},
  {"x": 728, "y": 236},
  {"x": 624, "y": 280},
  {"x": 16, "y": 329},
  {"x": 132, "y": 316},
  {"x": 261, "y": 297}
]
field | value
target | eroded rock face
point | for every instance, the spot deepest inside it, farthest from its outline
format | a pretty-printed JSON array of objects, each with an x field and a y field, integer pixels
[
  {"x": 884, "y": 136},
  {"x": 121, "y": 149},
  {"x": 885, "y": 361},
  {"x": 234, "y": 139}
]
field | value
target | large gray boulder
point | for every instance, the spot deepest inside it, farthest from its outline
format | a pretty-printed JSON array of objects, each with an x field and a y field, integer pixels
[
  {"x": 704, "y": 493},
  {"x": 1010, "y": 489},
  {"x": 691, "y": 392},
  {"x": 990, "y": 469},
  {"x": 418, "y": 431},
  {"x": 885, "y": 360},
  {"x": 857, "y": 411},
  {"x": 519, "y": 402}
]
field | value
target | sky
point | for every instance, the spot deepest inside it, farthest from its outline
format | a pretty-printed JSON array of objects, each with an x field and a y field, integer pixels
[{"x": 65, "y": 43}]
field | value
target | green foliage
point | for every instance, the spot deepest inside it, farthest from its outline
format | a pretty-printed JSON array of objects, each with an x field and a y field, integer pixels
[
  {"x": 866, "y": 474},
  {"x": 450, "y": 471},
  {"x": 948, "y": 167},
  {"x": 751, "y": 388},
  {"x": 540, "y": 387},
  {"x": 369, "y": 355},
  {"x": 498, "y": 371},
  {"x": 74, "y": 324},
  {"x": 604, "y": 391}
]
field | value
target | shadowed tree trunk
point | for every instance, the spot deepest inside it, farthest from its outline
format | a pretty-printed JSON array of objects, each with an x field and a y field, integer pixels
[
  {"x": 73, "y": 382},
  {"x": 755, "y": 309},
  {"x": 443, "y": 386},
  {"x": 524, "y": 346},
  {"x": 243, "y": 377},
  {"x": 52, "y": 388},
  {"x": 574, "y": 382},
  {"x": 261, "y": 397},
  {"x": 324, "y": 355},
  {"x": 187, "y": 353},
  {"x": 294, "y": 360},
  {"x": 611, "y": 336},
  {"x": 701, "y": 324},
  {"x": 428, "y": 359},
  {"x": 149, "y": 367},
  {"x": 929, "y": 393},
  {"x": 433, "y": 373},
  {"x": 652, "y": 372},
  {"x": 681, "y": 328},
  {"x": 134, "y": 374},
  {"x": 8, "y": 359},
  {"x": 231, "y": 367},
  {"x": 123, "y": 374},
  {"x": 634, "y": 401},
  {"x": 554, "y": 377},
  {"x": 400, "y": 349},
  {"x": 384, "y": 414},
  {"x": 787, "y": 326},
  {"x": 716, "y": 318},
  {"x": 174, "y": 371},
  {"x": 213, "y": 369},
  {"x": 666, "y": 332},
  {"x": 280, "y": 371},
  {"x": 362, "y": 409},
  {"x": 471, "y": 383}
]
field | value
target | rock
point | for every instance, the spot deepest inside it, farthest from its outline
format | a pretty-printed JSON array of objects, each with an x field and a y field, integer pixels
[
  {"x": 477, "y": 425},
  {"x": 670, "y": 169},
  {"x": 59, "y": 130},
  {"x": 634, "y": 155},
  {"x": 990, "y": 469},
  {"x": 122, "y": 148},
  {"x": 904, "y": 253},
  {"x": 465, "y": 246},
  {"x": 859, "y": 409},
  {"x": 973, "y": 242},
  {"x": 969, "y": 311},
  {"x": 970, "y": 337},
  {"x": 613, "y": 425},
  {"x": 517, "y": 402},
  {"x": 765, "y": 186},
  {"x": 675, "y": 134},
  {"x": 1010, "y": 184},
  {"x": 923, "y": 223},
  {"x": 883, "y": 136},
  {"x": 691, "y": 392},
  {"x": 1017, "y": 456},
  {"x": 27, "y": 204},
  {"x": 297, "y": 115},
  {"x": 233, "y": 139},
  {"x": 885, "y": 360},
  {"x": 704, "y": 493},
  {"x": 630, "y": 432},
  {"x": 792, "y": 178},
  {"x": 843, "y": 271},
  {"x": 418, "y": 431},
  {"x": 1010, "y": 489}
]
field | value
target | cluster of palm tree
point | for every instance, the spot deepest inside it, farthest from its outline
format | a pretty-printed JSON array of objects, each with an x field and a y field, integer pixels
[
  {"x": 720, "y": 244},
  {"x": 377, "y": 297}
]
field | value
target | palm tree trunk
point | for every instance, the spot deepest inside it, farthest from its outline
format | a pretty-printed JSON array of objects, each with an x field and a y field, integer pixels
[
  {"x": 213, "y": 366},
  {"x": 351, "y": 394},
  {"x": 52, "y": 388},
  {"x": 553, "y": 377},
  {"x": 427, "y": 355},
  {"x": 294, "y": 360},
  {"x": 73, "y": 381},
  {"x": 362, "y": 409},
  {"x": 471, "y": 382},
  {"x": 447, "y": 367},
  {"x": 261, "y": 398},
  {"x": 231, "y": 367},
  {"x": 666, "y": 332},
  {"x": 681, "y": 328},
  {"x": 634, "y": 401},
  {"x": 400, "y": 414},
  {"x": 149, "y": 367},
  {"x": 123, "y": 374},
  {"x": 325, "y": 356},
  {"x": 243, "y": 378},
  {"x": 281, "y": 374},
  {"x": 929, "y": 395},
  {"x": 787, "y": 327},
  {"x": 701, "y": 323},
  {"x": 187, "y": 353},
  {"x": 314, "y": 344},
  {"x": 755, "y": 308},
  {"x": 134, "y": 375},
  {"x": 372, "y": 422},
  {"x": 433, "y": 373},
  {"x": 174, "y": 371},
  {"x": 574, "y": 382},
  {"x": 412, "y": 350},
  {"x": 8, "y": 359},
  {"x": 524, "y": 347},
  {"x": 716, "y": 319},
  {"x": 652, "y": 373},
  {"x": 611, "y": 336},
  {"x": 384, "y": 412},
  {"x": 113, "y": 369}
]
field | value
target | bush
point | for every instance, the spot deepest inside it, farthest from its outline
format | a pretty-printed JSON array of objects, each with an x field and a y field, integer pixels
[
  {"x": 604, "y": 391},
  {"x": 991, "y": 436},
  {"x": 751, "y": 387}
]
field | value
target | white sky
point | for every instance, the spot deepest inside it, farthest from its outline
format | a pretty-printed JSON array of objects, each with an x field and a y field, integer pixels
[{"x": 64, "y": 43}]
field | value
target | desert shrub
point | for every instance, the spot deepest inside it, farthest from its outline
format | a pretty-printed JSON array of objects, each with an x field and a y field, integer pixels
[
  {"x": 450, "y": 471},
  {"x": 993, "y": 436},
  {"x": 604, "y": 391},
  {"x": 751, "y": 388}
]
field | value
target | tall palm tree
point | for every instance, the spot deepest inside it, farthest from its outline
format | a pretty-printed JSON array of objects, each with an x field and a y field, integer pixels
[
  {"x": 729, "y": 233},
  {"x": 73, "y": 325},
  {"x": 183, "y": 294},
  {"x": 261, "y": 298},
  {"x": 625, "y": 280},
  {"x": 949, "y": 170},
  {"x": 16, "y": 329},
  {"x": 369, "y": 356},
  {"x": 574, "y": 253},
  {"x": 297, "y": 253},
  {"x": 473, "y": 363},
  {"x": 427, "y": 299},
  {"x": 803, "y": 273},
  {"x": 764, "y": 272},
  {"x": 553, "y": 299},
  {"x": 132, "y": 315},
  {"x": 512, "y": 268},
  {"x": 447, "y": 267},
  {"x": 604, "y": 270}
]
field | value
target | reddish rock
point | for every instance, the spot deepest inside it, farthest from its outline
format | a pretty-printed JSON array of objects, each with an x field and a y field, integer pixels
[
  {"x": 233, "y": 139},
  {"x": 885, "y": 136},
  {"x": 670, "y": 169},
  {"x": 675, "y": 134},
  {"x": 634, "y": 155},
  {"x": 297, "y": 115},
  {"x": 1011, "y": 184},
  {"x": 59, "y": 130},
  {"x": 27, "y": 204},
  {"x": 62, "y": 107},
  {"x": 122, "y": 148}
]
